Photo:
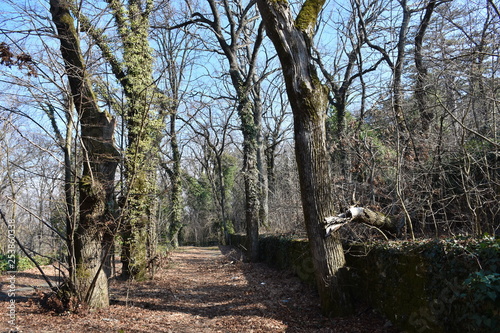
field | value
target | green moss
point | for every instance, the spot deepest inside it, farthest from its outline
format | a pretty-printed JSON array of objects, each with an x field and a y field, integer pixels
[
  {"x": 419, "y": 285},
  {"x": 67, "y": 19},
  {"x": 308, "y": 15},
  {"x": 82, "y": 273},
  {"x": 450, "y": 285}
]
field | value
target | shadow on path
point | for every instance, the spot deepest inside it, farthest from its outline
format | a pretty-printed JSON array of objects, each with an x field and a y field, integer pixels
[{"x": 210, "y": 286}]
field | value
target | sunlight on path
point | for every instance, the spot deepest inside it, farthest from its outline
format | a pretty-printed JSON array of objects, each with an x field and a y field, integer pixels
[{"x": 198, "y": 290}]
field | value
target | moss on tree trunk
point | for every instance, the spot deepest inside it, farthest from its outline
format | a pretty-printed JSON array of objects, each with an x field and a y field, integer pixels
[
  {"x": 308, "y": 99},
  {"x": 100, "y": 159},
  {"x": 143, "y": 122}
]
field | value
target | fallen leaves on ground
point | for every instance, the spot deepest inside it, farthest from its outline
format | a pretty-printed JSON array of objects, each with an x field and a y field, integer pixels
[{"x": 200, "y": 290}]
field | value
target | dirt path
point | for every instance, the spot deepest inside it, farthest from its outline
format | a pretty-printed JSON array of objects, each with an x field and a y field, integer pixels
[{"x": 197, "y": 290}]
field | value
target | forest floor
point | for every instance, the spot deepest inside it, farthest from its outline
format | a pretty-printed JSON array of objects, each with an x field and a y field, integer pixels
[{"x": 194, "y": 290}]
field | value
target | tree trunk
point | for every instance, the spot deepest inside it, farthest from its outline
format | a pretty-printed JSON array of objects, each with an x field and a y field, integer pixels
[
  {"x": 134, "y": 73},
  {"x": 100, "y": 159},
  {"x": 251, "y": 177},
  {"x": 263, "y": 180},
  {"x": 397, "y": 88},
  {"x": 426, "y": 114},
  {"x": 176, "y": 192},
  {"x": 243, "y": 84},
  {"x": 309, "y": 99},
  {"x": 270, "y": 153},
  {"x": 224, "y": 237},
  {"x": 143, "y": 122}
]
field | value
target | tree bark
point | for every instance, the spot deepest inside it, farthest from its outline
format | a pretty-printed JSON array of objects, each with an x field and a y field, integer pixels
[
  {"x": 134, "y": 72},
  {"x": 309, "y": 99},
  {"x": 224, "y": 238},
  {"x": 397, "y": 87},
  {"x": 243, "y": 83},
  {"x": 250, "y": 176},
  {"x": 263, "y": 180},
  {"x": 143, "y": 122},
  {"x": 426, "y": 114},
  {"x": 100, "y": 159},
  {"x": 175, "y": 179}
]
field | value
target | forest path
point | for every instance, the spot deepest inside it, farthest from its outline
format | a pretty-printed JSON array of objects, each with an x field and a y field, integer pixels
[{"x": 201, "y": 290}]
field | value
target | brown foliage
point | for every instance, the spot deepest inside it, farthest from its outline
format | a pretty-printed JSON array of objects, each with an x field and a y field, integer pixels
[
  {"x": 199, "y": 290},
  {"x": 21, "y": 60}
]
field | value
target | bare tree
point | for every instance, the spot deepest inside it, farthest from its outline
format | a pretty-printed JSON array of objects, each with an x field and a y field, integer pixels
[
  {"x": 176, "y": 50},
  {"x": 426, "y": 115},
  {"x": 277, "y": 126},
  {"x": 293, "y": 39},
  {"x": 97, "y": 202},
  {"x": 345, "y": 67},
  {"x": 143, "y": 121},
  {"x": 239, "y": 42},
  {"x": 213, "y": 134}
]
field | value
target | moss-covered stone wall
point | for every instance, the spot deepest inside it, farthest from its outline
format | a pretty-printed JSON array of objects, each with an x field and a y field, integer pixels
[{"x": 425, "y": 286}]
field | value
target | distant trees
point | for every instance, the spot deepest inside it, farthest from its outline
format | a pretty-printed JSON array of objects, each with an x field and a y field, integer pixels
[
  {"x": 213, "y": 135},
  {"x": 235, "y": 27},
  {"x": 348, "y": 65},
  {"x": 462, "y": 92},
  {"x": 241, "y": 49},
  {"x": 176, "y": 52},
  {"x": 45, "y": 211}
]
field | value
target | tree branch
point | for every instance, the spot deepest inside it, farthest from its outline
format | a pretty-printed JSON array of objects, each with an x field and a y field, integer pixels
[
  {"x": 99, "y": 38},
  {"x": 27, "y": 254}
]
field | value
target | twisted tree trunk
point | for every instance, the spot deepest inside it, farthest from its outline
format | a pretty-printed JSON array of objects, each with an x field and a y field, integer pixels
[{"x": 100, "y": 159}]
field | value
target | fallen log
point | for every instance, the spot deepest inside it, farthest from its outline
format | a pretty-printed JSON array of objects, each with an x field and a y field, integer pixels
[{"x": 363, "y": 215}]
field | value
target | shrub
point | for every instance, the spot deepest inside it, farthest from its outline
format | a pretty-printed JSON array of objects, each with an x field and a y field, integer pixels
[
  {"x": 481, "y": 298},
  {"x": 22, "y": 263}
]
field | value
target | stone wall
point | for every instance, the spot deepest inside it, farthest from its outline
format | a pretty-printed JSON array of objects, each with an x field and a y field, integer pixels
[{"x": 425, "y": 286}]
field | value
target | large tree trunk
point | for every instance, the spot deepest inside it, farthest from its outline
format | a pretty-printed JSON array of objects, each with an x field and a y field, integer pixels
[
  {"x": 308, "y": 99},
  {"x": 134, "y": 72},
  {"x": 100, "y": 159},
  {"x": 397, "y": 88},
  {"x": 261, "y": 167},
  {"x": 143, "y": 122}
]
